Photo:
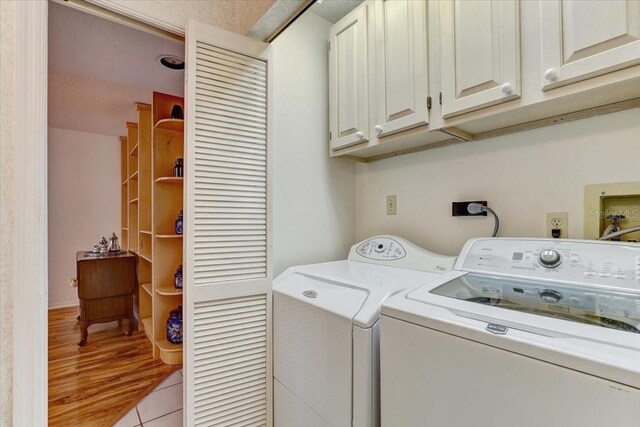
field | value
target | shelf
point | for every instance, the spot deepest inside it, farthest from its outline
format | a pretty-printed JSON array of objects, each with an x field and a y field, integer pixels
[
  {"x": 147, "y": 324},
  {"x": 147, "y": 288},
  {"x": 145, "y": 232},
  {"x": 169, "y": 291},
  {"x": 174, "y": 125},
  {"x": 145, "y": 258},
  {"x": 171, "y": 354},
  {"x": 125, "y": 229},
  {"x": 134, "y": 176},
  {"x": 134, "y": 151},
  {"x": 133, "y": 200},
  {"x": 169, "y": 236},
  {"x": 125, "y": 182},
  {"x": 170, "y": 180}
]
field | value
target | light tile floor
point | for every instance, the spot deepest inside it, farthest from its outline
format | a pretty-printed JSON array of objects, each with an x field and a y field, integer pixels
[{"x": 160, "y": 408}]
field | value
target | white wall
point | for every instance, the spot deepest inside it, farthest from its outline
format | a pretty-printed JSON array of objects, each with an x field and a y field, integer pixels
[
  {"x": 522, "y": 176},
  {"x": 8, "y": 276},
  {"x": 84, "y": 202},
  {"x": 313, "y": 196}
]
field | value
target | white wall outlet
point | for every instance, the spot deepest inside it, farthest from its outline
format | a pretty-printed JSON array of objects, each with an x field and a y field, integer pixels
[
  {"x": 558, "y": 225},
  {"x": 391, "y": 205}
]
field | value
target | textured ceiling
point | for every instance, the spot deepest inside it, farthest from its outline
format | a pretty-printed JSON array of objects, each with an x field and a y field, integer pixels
[
  {"x": 271, "y": 21},
  {"x": 99, "y": 69},
  {"x": 237, "y": 16},
  {"x": 334, "y": 10}
]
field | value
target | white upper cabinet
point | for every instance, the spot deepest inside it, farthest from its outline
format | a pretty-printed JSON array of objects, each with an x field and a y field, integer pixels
[
  {"x": 480, "y": 54},
  {"x": 400, "y": 58},
  {"x": 583, "y": 39},
  {"x": 348, "y": 80}
]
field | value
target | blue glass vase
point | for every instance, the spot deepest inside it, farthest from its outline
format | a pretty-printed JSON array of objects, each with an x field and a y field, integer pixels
[
  {"x": 174, "y": 326},
  {"x": 177, "y": 278},
  {"x": 179, "y": 223}
]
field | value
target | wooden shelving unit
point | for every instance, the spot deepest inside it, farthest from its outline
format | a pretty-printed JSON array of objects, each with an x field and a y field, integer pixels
[
  {"x": 132, "y": 185},
  {"x": 136, "y": 186},
  {"x": 151, "y": 201},
  {"x": 142, "y": 177},
  {"x": 124, "y": 193},
  {"x": 168, "y": 145}
]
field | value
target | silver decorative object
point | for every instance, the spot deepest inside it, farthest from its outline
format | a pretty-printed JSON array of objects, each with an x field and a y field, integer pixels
[
  {"x": 104, "y": 245},
  {"x": 113, "y": 246}
]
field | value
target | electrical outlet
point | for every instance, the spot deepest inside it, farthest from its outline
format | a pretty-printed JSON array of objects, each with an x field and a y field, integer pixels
[
  {"x": 391, "y": 205},
  {"x": 461, "y": 208},
  {"x": 558, "y": 225}
]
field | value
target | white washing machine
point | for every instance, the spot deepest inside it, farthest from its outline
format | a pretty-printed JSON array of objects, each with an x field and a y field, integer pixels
[
  {"x": 326, "y": 369},
  {"x": 524, "y": 332}
]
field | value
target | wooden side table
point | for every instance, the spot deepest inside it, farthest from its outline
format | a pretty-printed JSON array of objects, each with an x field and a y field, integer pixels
[{"x": 106, "y": 285}]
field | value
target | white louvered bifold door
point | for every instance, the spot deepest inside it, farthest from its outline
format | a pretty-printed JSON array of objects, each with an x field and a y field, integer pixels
[{"x": 227, "y": 291}]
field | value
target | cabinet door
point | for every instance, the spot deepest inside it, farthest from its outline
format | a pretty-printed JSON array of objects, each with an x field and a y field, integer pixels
[
  {"x": 583, "y": 39},
  {"x": 348, "y": 81},
  {"x": 400, "y": 57},
  {"x": 480, "y": 51}
]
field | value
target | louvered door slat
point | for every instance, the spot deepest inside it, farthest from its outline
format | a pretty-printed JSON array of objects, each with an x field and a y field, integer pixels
[
  {"x": 250, "y": 76},
  {"x": 255, "y": 143},
  {"x": 227, "y": 231},
  {"x": 234, "y": 121},
  {"x": 215, "y": 56},
  {"x": 236, "y": 86},
  {"x": 215, "y": 90},
  {"x": 209, "y": 50},
  {"x": 224, "y": 105}
]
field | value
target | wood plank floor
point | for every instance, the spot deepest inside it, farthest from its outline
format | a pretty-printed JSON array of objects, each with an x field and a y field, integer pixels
[{"x": 96, "y": 384}]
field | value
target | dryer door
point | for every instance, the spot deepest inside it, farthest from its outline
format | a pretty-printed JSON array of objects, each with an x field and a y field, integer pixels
[{"x": 313, "y": 346}]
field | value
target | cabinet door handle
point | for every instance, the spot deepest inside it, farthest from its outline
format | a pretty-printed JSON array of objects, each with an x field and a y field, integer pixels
[
  {"x": 378, "y": 129},
  {"x": 506, "y": 88},
  {"x": 551, "y": 74},
  {"x": 359, "y": 135}
]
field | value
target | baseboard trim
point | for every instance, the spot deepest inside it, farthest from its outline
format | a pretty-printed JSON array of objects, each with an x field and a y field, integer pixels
[{"x": 65, "y": 304}]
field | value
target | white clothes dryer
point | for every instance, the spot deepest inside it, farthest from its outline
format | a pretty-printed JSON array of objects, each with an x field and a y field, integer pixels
[{"x": 326, "y": 329}]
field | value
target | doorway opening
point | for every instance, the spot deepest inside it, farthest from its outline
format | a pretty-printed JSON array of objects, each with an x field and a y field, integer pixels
[{"x": 114, "y": 142}]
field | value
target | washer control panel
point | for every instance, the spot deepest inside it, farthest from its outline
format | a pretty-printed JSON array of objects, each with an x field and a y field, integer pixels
[
  {"x": 381, "y": 249},
  {"x": 611, "y": 264},
  {"x": 395, "y": 251}
]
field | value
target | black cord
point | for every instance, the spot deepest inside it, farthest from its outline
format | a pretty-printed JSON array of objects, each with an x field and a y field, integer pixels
[{"x": 495, "y": 217}]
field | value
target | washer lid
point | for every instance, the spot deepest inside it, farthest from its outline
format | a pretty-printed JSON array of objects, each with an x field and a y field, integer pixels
[
  {"x": 333, "y": 297},
  {"x": 583, "y": 304},
  {"x": 351, "y": 288}
]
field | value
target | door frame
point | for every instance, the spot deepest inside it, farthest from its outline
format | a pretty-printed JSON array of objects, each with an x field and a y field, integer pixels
[{"x": 30, "y": 230}]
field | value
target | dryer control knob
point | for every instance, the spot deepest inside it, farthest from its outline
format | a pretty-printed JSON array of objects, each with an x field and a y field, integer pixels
[{"x": 549, "y": 258}]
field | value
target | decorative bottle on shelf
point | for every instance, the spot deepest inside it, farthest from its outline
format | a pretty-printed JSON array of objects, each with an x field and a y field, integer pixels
[
  {"x": 177, "y": 278},
  {"x": 176, "y": 112},
  {"x": 174, "y": 326},
  {"x": 179, "y": 223},
  {"x": 178, "y": 168}
]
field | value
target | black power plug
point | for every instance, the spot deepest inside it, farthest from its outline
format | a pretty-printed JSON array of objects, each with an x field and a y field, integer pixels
[{"x": 461, "y": 208}]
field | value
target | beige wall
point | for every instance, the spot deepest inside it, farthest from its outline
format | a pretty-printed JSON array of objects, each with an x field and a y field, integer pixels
[
  {"x": 84, "y": 202},
  {"x": 313, "y": 196},
  {"x": 7, "y": 205},
  {"x": 522, "y": 176}
]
